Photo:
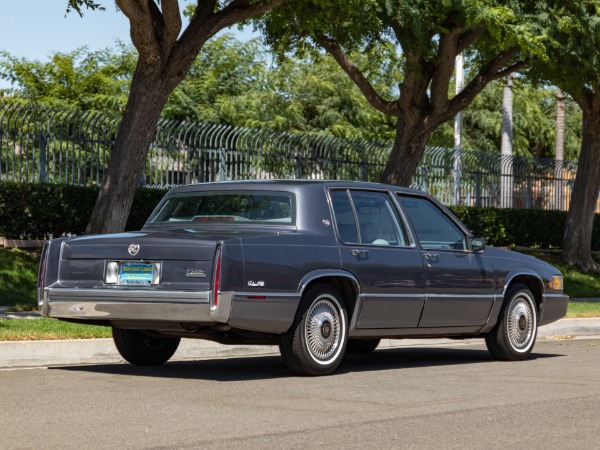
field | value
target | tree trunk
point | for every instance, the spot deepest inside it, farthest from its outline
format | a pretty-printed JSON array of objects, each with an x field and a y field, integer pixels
[
  {"x": 577, "y": 240},
  {"x": 128, "y": 158},
  {"x": 407, "y": 150}
]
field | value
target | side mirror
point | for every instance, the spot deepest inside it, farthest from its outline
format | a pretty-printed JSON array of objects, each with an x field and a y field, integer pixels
[{"x": 477, "y": 244}]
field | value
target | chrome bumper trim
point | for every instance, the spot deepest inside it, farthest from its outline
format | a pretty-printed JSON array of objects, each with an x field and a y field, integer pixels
[{"x": 114, "y": 304}]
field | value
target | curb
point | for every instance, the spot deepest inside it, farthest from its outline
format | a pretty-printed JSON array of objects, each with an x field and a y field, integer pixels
[{"x": 22, "y": 354}]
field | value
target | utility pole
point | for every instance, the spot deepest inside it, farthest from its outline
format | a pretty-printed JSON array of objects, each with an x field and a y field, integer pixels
[
  {"x": 460, "y": 81},
  {"x": 506, "y": 146},
  {"x": 559, "y": 197}
]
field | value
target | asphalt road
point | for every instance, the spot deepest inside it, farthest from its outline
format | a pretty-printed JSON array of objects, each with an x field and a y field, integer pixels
[{"x": 442, "y": 397}]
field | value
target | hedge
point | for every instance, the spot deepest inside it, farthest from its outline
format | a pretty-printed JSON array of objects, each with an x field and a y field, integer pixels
[{"x": 40, "y": 211}]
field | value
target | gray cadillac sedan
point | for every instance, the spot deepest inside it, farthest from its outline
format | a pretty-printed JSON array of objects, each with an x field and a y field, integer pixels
[{"x": 320, "y": 268}]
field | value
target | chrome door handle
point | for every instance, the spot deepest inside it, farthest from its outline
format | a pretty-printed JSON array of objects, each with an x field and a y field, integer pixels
[
  {"x": 357, "y": 252},
  {"x": 430, "y": 255}
]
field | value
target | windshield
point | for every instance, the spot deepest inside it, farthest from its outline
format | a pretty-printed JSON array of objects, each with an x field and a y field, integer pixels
[{"x": 228, "y": 207}]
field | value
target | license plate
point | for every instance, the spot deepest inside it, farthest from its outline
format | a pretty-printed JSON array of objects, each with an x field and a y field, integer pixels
[{"x": 139, "y": 274}]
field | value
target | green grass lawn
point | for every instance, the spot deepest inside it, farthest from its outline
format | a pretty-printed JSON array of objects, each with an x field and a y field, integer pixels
[
  {"x": 48, "y": 329},
  {"x": 577, "y": 283},
  {"x": 18, "y": 278}
]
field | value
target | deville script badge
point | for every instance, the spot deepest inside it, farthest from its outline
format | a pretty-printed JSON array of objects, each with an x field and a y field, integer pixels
[{"x": 133, "y": 249}]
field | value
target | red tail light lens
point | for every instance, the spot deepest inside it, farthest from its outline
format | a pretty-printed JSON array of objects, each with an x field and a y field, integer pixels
[
  {"x": 216, "y": 279},
  {"x": 41, "y": 282}
]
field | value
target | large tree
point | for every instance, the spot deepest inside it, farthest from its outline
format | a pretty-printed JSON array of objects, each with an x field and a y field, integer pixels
[
  {"x": 574, "y": 66},
  {"x": 418, "y": 41},
  {"x": 166, "y": 52}
]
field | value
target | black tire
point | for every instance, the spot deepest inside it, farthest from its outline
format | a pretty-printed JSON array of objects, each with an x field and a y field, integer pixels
[
  {"x": 362, "y": 346},
  {"x": 144, "y": 349},
  {"x": 513, "y": 337},
  {"x": 316, "y": 342}
]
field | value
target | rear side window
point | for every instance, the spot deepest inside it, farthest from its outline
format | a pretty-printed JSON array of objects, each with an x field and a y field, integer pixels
[
  {"x": 367, "y": 217},
  {"x": 344, "y": 216}
]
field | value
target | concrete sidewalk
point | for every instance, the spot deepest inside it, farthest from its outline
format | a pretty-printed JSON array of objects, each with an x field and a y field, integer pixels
[{"x": 102, "y": 351}]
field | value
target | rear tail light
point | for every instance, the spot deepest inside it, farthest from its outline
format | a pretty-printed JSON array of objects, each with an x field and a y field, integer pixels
[
  {"x": 216, "y": 280},
  {"x": 41, "y": 283}
]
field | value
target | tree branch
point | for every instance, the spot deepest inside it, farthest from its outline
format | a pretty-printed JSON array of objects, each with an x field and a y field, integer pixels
[
  {"x": 444, "y": 68},
  {"x": 203, "y": 26},
  {"x": 335, "y": 50},
  {"x": 172, "y": 21},
  {"x": 141, "y": 28}
]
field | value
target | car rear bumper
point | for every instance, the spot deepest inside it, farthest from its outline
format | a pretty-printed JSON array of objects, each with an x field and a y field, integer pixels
[
  {"x": 554, "y": 308},
  {"x": 271, "y": 313},
  {"x": 130, "y": 304}
]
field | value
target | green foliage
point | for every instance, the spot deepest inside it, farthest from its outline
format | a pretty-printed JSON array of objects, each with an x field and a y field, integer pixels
[
  {"x": 232, "y": 82},
  {"x": 42, "y": 211},
  {"x": 77, "y": 5},
  {"x": 18, "y": 277},
  {"x": 534, "y": 121},
  {"x": 81, "y": 79},
  {"x": 573, "y": 61},
  {"x": 510, "y": 227}
]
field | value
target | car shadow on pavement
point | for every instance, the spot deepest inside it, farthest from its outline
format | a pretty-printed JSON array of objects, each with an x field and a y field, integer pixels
[{"x": 272, "y": 367}]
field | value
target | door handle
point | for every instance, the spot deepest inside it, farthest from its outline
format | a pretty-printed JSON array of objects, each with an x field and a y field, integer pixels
[
  {"x": 357, "y": 252},
  {"x": 430, "y": 255}
]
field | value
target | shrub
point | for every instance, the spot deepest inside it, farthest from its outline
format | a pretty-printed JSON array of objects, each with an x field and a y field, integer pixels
[
  {"x": 535, "y": 228},
  {"x": 42, "y": 211}
]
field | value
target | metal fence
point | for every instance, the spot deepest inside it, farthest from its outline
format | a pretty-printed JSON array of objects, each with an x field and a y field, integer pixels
[{"x": 46, "y": 145}]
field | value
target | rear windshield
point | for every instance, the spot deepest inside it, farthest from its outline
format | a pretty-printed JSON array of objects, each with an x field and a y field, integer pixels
[{"x": 229, "y": 207}]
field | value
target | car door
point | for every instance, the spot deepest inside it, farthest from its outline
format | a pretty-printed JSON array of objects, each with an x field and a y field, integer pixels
[
  {"x": 375, "y": 247},
  {"x": 460, "y": 284}
]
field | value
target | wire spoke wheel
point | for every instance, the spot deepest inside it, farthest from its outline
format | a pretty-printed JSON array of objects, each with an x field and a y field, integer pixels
[
  {"x": 513, "y": 337},
  {"x": 520, "y": 323},
  {"x": 316, "y": 342},
  {"x": 322, "y": 329}
]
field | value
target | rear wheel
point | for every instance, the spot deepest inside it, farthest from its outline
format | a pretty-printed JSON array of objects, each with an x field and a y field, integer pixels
[
  {"x": 316, "y": 342},
  {"x": 513, "y": 337},
  {"x": 362, "y": 346},
  {"x": 144, "y": 349}
]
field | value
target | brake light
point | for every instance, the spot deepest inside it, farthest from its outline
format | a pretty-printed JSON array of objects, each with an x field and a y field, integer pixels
[
  {"x": 41, "y": 283},
  {"x": 216, "y": 279}
]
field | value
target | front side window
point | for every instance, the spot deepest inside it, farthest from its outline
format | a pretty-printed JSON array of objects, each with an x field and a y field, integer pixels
[
  {"x": 367, "y": 217},
  {"x": 229, "y": 207},
  {"x": 434, "y": 229}
]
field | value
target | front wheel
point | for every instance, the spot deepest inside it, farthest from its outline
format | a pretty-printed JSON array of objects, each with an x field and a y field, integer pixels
[
  {"x": 316, "y": 342},
  {"x": 144, "y": 349},
  {"x": 513, "y": 336}
]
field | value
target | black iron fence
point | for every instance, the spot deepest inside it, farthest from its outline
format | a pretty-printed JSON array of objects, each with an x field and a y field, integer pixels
[{"x": 45, "y": 145}]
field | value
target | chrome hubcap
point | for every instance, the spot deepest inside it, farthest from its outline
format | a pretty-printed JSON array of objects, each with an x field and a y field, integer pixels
[
  {"x": 323, "y": 328},
  {"x": 521, "y": 322}
]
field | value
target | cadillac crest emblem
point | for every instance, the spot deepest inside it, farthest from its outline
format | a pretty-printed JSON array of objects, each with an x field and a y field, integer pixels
[{"x": 133, "y": 249}]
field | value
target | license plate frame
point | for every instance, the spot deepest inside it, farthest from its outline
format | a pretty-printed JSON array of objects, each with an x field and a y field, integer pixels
[{"x": 136, "y": 273}]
